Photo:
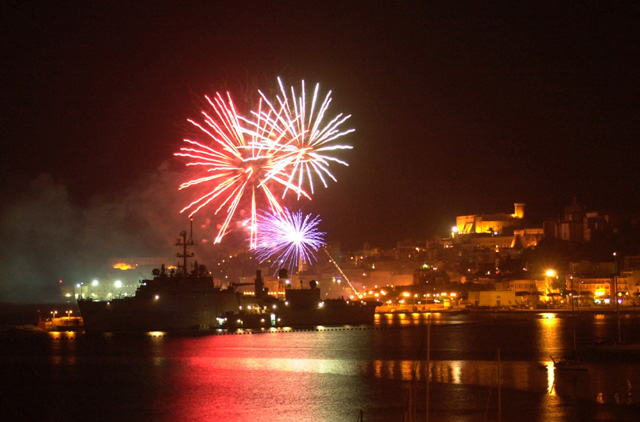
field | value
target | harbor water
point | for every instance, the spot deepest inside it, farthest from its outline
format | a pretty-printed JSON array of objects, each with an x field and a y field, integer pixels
[{"x": 332, "y": 373}]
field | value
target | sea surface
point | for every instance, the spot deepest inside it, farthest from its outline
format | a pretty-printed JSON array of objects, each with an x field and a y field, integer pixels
[{"x": 482, "y": 367}]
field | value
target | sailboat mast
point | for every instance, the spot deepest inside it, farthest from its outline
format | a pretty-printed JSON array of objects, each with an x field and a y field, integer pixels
[
  {"x": 499, "y": 389},
  {"x": 428, "y": 361}
]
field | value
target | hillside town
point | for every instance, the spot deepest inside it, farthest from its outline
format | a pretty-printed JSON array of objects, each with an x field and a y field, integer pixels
[{"x": 581, "y": 258}]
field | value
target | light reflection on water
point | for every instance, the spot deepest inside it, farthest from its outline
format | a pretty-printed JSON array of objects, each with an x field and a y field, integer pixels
[
  {"x": 316, "y": 366},
  {"x": 328, "y": 374},
  {"x": 548, "y": 333},
  {"x": 517, "y": 375},
  {"x": 409, "y": 318}
]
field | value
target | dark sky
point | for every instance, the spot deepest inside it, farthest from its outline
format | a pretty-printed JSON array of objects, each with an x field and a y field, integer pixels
[{"x": 459, "y": 107}]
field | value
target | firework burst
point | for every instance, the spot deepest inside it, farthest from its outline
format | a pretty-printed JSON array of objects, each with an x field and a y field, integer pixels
[
  {"x": 302, "y": 140},
  {"x": 289, "y": 239},
  {"x": 236, "y": 166},
  {"x": 248, "y": 163}
]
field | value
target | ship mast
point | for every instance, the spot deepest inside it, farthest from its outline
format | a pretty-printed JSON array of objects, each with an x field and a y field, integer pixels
[{"x": 184, "y": 242}]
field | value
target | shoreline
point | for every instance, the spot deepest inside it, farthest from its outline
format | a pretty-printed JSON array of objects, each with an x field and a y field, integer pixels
[
  {"x": 16, "y": 317},
  {"x": 586, "y": 310}
]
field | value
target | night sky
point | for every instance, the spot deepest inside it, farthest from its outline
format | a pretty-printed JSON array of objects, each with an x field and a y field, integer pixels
[{"x": 459, "y": 108}]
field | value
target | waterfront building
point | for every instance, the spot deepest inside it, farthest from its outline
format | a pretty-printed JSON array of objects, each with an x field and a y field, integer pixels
[
  {"x": 518, "y": 285},
  {"x": 494, "y": 299},
  {"x": 599, "y": 288}
]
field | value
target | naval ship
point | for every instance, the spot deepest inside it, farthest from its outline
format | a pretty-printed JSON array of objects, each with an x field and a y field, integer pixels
[{"x": 171, "y": 300}]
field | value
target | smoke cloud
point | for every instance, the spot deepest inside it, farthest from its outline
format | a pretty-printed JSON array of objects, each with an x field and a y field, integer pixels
[{"x": 48, "y": 238}]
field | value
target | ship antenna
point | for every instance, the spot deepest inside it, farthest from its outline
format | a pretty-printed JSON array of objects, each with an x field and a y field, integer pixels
[{"x": 184, "y": 243}]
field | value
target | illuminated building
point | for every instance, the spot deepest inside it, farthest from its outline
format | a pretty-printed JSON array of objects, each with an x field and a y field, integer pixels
[
  {"x": 497, "y": 231},
  {"x": 493, "y": 298},
  {"x": 495, "y": 224}
]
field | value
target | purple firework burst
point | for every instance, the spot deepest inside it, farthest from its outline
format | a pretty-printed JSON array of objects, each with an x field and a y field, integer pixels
[{"x": 289, "y": 239}]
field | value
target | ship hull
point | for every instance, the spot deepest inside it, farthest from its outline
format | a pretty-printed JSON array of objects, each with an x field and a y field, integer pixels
[
  {"x": 340, "y": 313},
  {"x": 330, "y": 313},
  {"x": 165, "y": 313}
]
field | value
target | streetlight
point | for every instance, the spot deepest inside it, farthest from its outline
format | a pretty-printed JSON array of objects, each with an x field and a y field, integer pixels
[{"x": 549, "y": 275}]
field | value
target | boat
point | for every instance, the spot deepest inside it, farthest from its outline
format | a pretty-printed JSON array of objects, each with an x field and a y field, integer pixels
[
  {"x": 301, "y": 308},
  {"x": 67, "y": 323},
  {"x": 171, "y": 300},
  {"x": 572, "y": 362},
  {"x": 569, "y": 363},
  {"x": 184, "y": 300}
]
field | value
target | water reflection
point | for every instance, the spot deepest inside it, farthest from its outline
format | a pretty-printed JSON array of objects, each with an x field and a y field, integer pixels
[
  {"x": 237, "y": 385},
  {"x": 548, "y": 333},
  {"x": 63, "y": 346},
  {"x": 316, "y": 366},
  {"x": 327, "y": 374},
  {"x": 408, "y": 319},
  {"x": 551, "y": 377},
  {"x": 518, "y": 375},
  {"x": 599, "y": 326}
]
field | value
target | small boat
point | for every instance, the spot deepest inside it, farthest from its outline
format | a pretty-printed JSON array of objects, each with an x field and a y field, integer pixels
[
  {"x": 66, "y": 323},
  {"x": 569, "y": 363}
]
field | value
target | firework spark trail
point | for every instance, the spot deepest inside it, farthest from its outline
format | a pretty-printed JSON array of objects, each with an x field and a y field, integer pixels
[
  {"x": 236, "y": 166},
  {"x": 282, "y": 148},
  {"x": 300, "y": 137},
  {"x": 289, "y": 239}
]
